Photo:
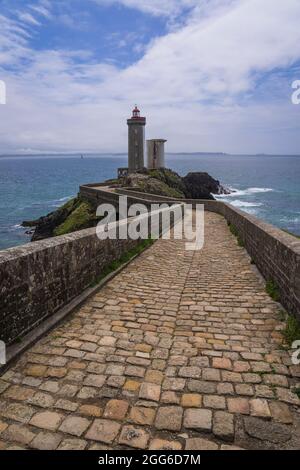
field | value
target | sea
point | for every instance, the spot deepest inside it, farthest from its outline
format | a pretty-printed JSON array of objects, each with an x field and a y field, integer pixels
[{"x": 31, "y": 186}]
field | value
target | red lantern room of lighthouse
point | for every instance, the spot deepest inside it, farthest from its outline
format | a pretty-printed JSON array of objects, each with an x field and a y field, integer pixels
[{"x": 136, "y": 114}]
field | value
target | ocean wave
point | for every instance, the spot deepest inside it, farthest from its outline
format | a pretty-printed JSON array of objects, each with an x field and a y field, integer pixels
[
  {"x": 58, "y": 202},
  {"x": 290, "y": 219},
  {"x": 251, "y": 211},
  {"x": 55, "y": 202},
  {"x": 245, "y": 192},
  {"x": 62, "y": 199},
  {"x": 51, "y": 203},
  {"x": 239, "y": 203}
]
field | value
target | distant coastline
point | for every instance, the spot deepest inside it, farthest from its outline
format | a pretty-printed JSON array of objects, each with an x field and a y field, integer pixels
[{"x": 121, "y": 154}]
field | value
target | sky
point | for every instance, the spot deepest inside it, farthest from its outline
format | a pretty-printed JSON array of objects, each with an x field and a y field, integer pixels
[{"x": 209, "y": 75}]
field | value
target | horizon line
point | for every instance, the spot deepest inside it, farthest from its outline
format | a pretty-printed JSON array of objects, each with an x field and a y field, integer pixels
[{"x": 70, "y": 154}]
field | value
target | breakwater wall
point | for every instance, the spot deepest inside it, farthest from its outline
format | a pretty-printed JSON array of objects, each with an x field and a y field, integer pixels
[
  {"x": 40, "y": 278},
  {"x": 275, "y": 252}
]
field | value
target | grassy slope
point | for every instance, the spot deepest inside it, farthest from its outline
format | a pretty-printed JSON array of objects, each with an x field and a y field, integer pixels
[
  {"x": 162, "y": 182},
  {"x": 82, "y": 216}
]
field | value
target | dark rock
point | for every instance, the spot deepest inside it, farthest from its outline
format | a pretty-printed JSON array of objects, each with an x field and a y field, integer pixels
[
  {"x": 267, "y": 431},
  {"x": 45, "y": 226},
  {"x": 201, "y": 186},
  {"x": 30, "y": 223}
]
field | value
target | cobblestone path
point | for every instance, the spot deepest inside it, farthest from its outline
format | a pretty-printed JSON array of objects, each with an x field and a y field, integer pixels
[{"x": 182, "y": 350}]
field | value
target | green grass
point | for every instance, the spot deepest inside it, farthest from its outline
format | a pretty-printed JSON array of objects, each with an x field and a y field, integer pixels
[
  {"x": 113, "y": 181},
  {"x": 273, "y": 290},
  {"x": 70, "y": 204},
  {"x": 174, "y": 180},
  {"x": 291, "y": 332},
  {"x": 296, "y": 391},
  {"x": 83, "y": 216},
  {"x": 171, "y": 179},
  {"x": 123, "y": 260},
  {"x": 240, "y": 242},
  {"x": 282, "y": 316},
  {"x": 235, "y": 232},
  {"x": 156, "y": 186}
]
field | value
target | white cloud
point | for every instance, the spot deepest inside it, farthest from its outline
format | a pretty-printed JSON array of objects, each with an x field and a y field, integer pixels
[
  {"x": 219, "y": 56},
  {"x": 13, "y": 42},
  {"x": 155, "y": 7},
  {"x": 28, "y": 18},
  {"x": 196, "y": 86},
  {"x": 41, "y": 10}
]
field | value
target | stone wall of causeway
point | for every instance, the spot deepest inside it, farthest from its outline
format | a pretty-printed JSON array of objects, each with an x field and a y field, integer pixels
[
  {"x": 38, "y": 279},
  {"x": 275, "y": 252},
  {"x": 99, "y": 195}
]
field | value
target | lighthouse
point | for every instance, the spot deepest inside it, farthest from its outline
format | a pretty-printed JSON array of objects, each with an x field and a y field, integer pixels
[{"x": 136, "y": 141}]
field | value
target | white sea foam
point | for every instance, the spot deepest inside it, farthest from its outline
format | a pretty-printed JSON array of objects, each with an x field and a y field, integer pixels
[
  {"x": 245, "y": 192},
  {"x": 52, "y": 203},
  {"x": 239, "y": 203},
  {"x": 250, "y": 210},
  {"x": 290, "y": 219},
  {"x": 57, "y": 202},
  {"x": 64, "y": 198},
  {"x": 247, "y": 206}
]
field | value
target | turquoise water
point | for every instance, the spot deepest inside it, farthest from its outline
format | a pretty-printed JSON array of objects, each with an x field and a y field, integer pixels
[{"x": 266, "y": 186}]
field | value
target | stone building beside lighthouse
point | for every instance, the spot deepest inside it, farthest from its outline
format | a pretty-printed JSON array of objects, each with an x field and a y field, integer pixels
[{"x": 156, "y": 154}]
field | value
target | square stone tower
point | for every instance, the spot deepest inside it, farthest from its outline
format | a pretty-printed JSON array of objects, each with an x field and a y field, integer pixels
[
  {"x": 136, "y": 141},
  {"x": 156, "y": 153}
]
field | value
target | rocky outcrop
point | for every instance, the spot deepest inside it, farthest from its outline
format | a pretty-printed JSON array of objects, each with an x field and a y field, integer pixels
[
  {"x": 159, "y": 182},
  {"x": 166, "y": 182},
  {"x": 76, "y": 214},
  {"x": 200, "y": 185},
  {"x": 79, "y": 213}
]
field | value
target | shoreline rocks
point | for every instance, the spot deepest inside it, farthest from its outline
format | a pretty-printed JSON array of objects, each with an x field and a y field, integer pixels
[
  {"x": 79, "y": 213},
  {"x": 200, "y": 185}
]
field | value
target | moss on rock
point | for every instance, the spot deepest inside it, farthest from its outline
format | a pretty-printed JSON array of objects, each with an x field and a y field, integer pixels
[
  {"x": 170, "y": 178},
  {"x": 82, "y": 216},
  {"x": 161, "y": 182},
  {"x": 291, "y": 332},
  {"x": 75, "y": 214}
]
